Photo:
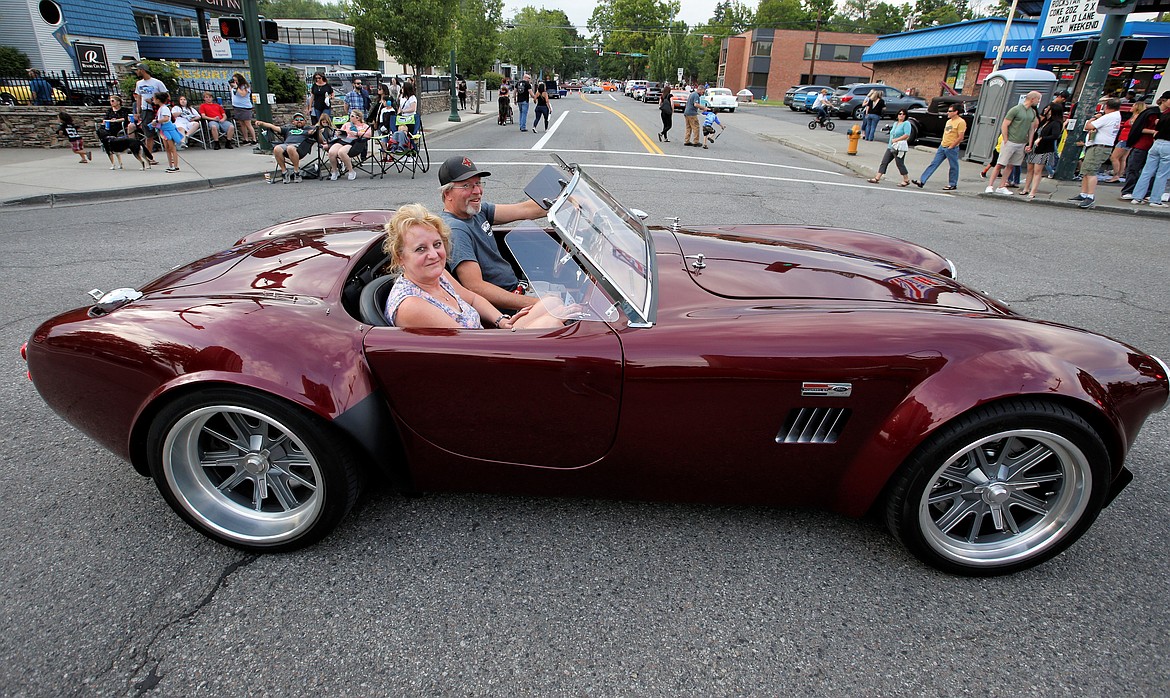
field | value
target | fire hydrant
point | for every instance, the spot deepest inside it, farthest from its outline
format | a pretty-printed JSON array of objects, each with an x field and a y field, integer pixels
[{"x": 854, "y": 139}]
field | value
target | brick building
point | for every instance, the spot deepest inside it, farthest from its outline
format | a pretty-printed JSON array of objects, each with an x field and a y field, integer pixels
[{"x": 769, "y": 61}]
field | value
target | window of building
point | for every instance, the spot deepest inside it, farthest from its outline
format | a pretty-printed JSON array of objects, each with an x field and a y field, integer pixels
[
  {"x": 757, "y": 80},
  {"x": 957, "y": 73},
  {"x": 761, "y": 48},
  {"x": 834, "y": 52},
  {"x": 165, "y": 25},
  {"x": 50, "y": 12}
]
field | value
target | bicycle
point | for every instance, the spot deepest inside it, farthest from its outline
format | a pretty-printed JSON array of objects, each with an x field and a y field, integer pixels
[{"x": 822, "y": 121}]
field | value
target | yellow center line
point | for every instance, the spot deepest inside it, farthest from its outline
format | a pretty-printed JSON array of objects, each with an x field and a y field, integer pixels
[{"x": 650, "y": 146}]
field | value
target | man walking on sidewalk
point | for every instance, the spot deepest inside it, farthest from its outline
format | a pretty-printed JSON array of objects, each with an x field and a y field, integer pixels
[
  {"x": 948, "y": 149},
  {"x": 1019, "y": 124}
]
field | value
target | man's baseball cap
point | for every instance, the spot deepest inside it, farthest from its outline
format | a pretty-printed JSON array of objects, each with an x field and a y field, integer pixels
[
  {"x": 1063, "y": 93},
  {"x": 458, "y": 168}
]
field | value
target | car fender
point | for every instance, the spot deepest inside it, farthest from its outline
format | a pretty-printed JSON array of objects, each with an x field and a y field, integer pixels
[{"x": 953, "y": 391}]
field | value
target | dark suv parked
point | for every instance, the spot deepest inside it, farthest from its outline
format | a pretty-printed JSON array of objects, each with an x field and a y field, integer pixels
[{"x": 848, "y": 99}]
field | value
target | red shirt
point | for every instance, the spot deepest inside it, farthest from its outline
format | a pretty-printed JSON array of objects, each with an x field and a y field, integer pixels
[{"x": 211, "y": 110}]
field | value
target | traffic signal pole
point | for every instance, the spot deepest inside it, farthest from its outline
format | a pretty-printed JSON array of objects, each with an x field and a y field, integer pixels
[
  {"x": 255, "y": 40},
  {"x": 1090, "y": 93}
]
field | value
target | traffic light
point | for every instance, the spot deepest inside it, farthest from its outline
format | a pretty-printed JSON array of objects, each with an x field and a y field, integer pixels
[
  {"x": 1083, "y": 51},
  {"x": 1131, "y": 51},
  {"x": 269, "y": 31},
  {"x": 231, "y": 27},
  {"x": 1115, "y": 7}
]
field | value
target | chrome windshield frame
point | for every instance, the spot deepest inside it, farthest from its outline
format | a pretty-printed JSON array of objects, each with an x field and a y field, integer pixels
[{"x": 639, "y": 312}]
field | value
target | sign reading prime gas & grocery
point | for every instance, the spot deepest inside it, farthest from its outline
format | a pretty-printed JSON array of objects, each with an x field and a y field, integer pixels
[
  {"x": 1072, "y": 17},
  {"x": 1053, "y": 48}
]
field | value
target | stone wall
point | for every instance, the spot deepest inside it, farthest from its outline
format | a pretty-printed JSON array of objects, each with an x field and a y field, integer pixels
[{"x": 35, "y": 127}]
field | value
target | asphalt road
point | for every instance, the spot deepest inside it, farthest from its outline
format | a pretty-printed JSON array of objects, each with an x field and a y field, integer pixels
[{"x": 106, "y": 592}]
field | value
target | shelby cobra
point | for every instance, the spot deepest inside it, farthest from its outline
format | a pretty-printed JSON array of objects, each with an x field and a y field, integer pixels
[{"x": 783, "y": 365}]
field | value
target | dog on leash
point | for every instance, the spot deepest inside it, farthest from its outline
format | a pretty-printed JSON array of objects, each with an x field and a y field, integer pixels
[{"x": 116, "y": 145}]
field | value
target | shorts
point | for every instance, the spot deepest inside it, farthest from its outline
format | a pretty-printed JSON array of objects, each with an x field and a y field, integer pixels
[
  {"x": 708, "y": 130},
  {"x": 242, "y": 114},
  {"x": 78, "y": 145},
  {"x": 1011, "y": 153},
  {"x": 1095, "y": 156},
  {"x": 147, "y": 117},
  {"x": 1038, "y": 158}
]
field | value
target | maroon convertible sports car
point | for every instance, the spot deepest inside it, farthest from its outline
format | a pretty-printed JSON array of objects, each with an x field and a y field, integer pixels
[{"x": 772, "y": 365}]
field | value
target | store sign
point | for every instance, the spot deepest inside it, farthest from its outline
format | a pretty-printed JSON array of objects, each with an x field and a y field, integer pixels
[
  {"x": 91, "y": 59},
  {"x": 220, "y": 47},
  {"x": 1072, "y": 17},
  {"x": 1050, "y": 49}
]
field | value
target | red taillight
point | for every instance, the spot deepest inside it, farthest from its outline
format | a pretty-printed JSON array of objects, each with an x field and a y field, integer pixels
[
  {"x": 24, "y": 351},
  {"x": 846, "y": 98}
]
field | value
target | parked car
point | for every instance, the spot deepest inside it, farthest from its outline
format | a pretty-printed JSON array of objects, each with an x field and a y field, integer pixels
[
  {"x": 678, "y": 99},
  {"x": 652, "y": 93},
  {"x": 592, "y": 89},
  {"x": 259, "y": 387},
  {"x": 608, "y": 87},
  {"x": 848, "y": 98},
  {"x": 800, "y": 97},
  {"x": 16, "y": 91},
  {"x": 926, "y": 123},
  {"x": 633, "y": 86},
  {"x": 84, "y": 92},
  {"x": 719, "y": 99}
]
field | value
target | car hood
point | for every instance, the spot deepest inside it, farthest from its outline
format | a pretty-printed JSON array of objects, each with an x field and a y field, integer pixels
[{"x": 774, "y": 262}]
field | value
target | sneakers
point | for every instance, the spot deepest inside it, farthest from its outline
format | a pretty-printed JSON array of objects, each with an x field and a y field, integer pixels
[
  {"x": 989, "y": 190},
  {"x": 228, "y": 144},
  {"x": 1088, "y": 203},
  {"x": 297, "y": 178},
  {"x": 1078, "y": 197},
  {"x": 1127, "y": 197},
  {"x": 351, "y": 175},
  {"x": 1004, "y": 190},
  {"x": 1140, "y": 202},
  {"x": 333, "y": 176},
  {"x": 215, "y": 145},
  {"x": 284, "y": 177},
  {"x": 1159, "y": 204}
]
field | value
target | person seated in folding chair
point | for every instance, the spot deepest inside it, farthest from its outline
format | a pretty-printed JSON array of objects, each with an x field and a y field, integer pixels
[
  {"x": 187, "y": 119},
  {"x": 349, "y": 143},
  {"x": 297, "y": 143},
  {"x": 219, "y": 127}
]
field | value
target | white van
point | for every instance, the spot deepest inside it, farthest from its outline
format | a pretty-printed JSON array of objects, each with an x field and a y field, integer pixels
[{"x": 632, "y": 85}]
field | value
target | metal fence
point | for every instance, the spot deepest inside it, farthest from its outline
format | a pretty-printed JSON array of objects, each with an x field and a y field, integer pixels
[{"x": 68, "y": 88}]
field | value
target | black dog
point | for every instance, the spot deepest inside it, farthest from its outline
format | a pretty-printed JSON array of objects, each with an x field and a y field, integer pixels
[{"x": 116, "y": 145}]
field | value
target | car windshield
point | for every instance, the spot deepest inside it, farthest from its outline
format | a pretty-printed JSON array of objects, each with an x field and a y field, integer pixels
[
  {"x": 610, "y": 243},
  {"x": 720, "y": 91}
]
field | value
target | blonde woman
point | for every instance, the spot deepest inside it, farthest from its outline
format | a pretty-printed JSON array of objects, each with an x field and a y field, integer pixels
[
  {"x": 426, "y": 295},
  {"x": 348, "y": 142},
  {"x": 875, "y": 105}
]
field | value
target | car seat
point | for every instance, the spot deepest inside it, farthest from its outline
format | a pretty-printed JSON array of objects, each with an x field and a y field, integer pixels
[{"x": 372, "y": 302}]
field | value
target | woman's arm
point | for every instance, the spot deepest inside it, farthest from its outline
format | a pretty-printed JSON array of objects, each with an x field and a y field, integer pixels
[
  {"x": 417, "y": 312},
  {"x": 486, "y": 310}
]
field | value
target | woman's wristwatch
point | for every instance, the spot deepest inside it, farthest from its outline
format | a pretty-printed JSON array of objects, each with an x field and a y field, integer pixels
[{"x": 500, "y": 319}]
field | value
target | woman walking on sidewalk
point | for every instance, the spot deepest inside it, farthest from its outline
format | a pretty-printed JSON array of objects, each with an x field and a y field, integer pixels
[
  {"x": 899, "y": 145},
  {"x": 667, "y": 110},
  {"x": 1041, "y": 148}
]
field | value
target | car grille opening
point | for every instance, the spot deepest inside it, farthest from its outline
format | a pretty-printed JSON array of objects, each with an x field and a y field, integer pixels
[{"x": 813, "y": 425}]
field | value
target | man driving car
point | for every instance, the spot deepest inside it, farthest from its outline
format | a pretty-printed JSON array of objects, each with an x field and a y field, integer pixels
[{"x": 475, "y": 258}]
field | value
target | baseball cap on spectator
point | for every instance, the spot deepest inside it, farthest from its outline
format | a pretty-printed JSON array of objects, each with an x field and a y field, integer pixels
[
  {"x": 1164, "y": 95},
  {"x": 458, "y": 168},
  {"x": 1063, "y": 93}
]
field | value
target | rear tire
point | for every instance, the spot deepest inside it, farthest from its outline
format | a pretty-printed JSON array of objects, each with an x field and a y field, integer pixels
[
  {"x": 251, "y": 471},
  {"x": 1000, "y": 490}
]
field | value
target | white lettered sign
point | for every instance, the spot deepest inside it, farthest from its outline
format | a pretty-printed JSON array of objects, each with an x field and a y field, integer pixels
[
  {"x": 1072, "y": 17},
  {"x": 220, "y": 47}
]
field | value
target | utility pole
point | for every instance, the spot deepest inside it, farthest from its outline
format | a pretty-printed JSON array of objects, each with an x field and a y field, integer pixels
[
  {"x": 812, "y": 66},
  {"x": 256, "y": 64}
]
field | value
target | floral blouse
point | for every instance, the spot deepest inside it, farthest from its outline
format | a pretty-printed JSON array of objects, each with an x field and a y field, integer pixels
[{"x": 404, "y": 288}]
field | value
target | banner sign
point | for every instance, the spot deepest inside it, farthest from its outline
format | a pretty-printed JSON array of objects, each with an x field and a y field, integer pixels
[{"x": 91, "y": 58}]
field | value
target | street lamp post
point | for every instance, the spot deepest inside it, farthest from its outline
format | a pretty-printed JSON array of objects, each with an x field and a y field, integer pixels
[{"x": 454, "y": 103}]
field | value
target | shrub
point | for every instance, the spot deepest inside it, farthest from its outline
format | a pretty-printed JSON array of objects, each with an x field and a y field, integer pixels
[
  {"x": 285, "y": 83},
  {"x": 13, "y": 61},
  {"x": 492, "y": 81},
  {"x": 164, "y": 71}
]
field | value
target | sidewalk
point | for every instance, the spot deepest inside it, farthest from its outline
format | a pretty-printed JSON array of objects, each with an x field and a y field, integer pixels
[
  {"x": 832, "y": 146},
  {"x": 40, "y": 176}
]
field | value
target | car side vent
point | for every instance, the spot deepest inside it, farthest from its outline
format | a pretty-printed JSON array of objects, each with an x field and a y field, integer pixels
[{"x": 813, "y": 425}]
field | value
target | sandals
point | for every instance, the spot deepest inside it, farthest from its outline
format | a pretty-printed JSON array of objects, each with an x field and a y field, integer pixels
[
  {"x": 904, "y": 184},
  {"x": 949, "y": 188},
  {"x": 873, "y": 180}
]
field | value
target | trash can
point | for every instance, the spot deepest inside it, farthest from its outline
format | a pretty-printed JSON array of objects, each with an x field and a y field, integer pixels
[{"x": 1001, "y": 91}]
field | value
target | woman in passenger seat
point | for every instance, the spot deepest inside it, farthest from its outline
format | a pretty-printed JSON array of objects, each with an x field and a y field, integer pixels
[{"x": 427, "y": 295}]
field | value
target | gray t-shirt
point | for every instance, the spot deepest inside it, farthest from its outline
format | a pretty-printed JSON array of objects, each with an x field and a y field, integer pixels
[
  {"x": 692, "y": 108},
  {"x": 472, "y": 241}
]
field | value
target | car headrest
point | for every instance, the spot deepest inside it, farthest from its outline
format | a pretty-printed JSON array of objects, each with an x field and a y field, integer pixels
[{"x": 372, "y": 302}]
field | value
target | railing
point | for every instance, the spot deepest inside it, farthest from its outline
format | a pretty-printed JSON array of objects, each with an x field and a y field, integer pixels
[{"x": 68, "y": 88}]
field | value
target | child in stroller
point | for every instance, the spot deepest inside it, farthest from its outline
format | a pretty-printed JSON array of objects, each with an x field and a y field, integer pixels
[{"x": 505, "y": 115}]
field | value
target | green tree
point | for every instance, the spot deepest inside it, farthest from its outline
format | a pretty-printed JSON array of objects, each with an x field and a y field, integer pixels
[
  {"x": 533, "y": 42},
  {"x": 300, "y": 9},
  {"x": 628, "y": 27},
  {"x": 365, "y": 48},
  {"x": 478, "y": 34},
  {"x": 782, "y": 14},
  {"x": 885, "y": 18},
  {"x": 168, "y": 73},
  {"x": 284, "y": 82},
  {"x": 671, "y": 52},
  {"x": 416, "y": 32},
  {"x": 13, "y": 61},
  {"x": 934, "y": 13},
  {"x": 732, "y": 16}
]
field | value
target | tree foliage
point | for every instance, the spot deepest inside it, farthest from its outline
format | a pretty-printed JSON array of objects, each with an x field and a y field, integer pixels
[
  {"x": 284, "y": 83},
  {"x": 671, "y": 52},
  {"x": 13, "y": 61},
  {"x": 365, "y": 48},
  {"x": 871, "y": 17},
  {"x": 934, "y": 13},
  {"x": 478, "y": 32},
  {"x": 416, "y": 32},
  {"x": 627, "y": 27},
  {"x": 534, "y": 41},
  {"x": 300, "y": 9},
  {"x": 782, "y": 14}
]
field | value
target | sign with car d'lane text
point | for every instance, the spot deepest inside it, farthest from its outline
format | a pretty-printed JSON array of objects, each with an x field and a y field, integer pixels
[{"x": 1072, "y": 17}]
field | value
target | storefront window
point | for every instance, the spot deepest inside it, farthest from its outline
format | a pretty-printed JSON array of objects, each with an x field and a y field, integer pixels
[{"x": 957, "y": 74}]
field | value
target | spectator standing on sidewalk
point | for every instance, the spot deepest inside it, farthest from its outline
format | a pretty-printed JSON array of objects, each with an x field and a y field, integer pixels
[
  {"x": 1043, "y": 145},
  {"x": 320, "y": 98},
  {"x": 948, "y": 150},
  {"x": 874, "y": 107},
  {"x": 1156, "y": 172},
  {"x": 461, "y": 88},
  {"x": 1102, "y": 134},
  {"x": 896, "y": 151},
  {"x": 144, "y": 91},
  {"x": 1019, "y": 125},
  {"x": 1141, "y": 139},
  {"x": 1120, "y": 156},
  {"x": 242, "y": 106},
  {"x": 691, "y": 116},
  {"x": 522, "y": 92}
]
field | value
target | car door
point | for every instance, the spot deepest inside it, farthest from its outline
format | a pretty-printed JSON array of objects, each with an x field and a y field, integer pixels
[{"x": 546, "y": 398}]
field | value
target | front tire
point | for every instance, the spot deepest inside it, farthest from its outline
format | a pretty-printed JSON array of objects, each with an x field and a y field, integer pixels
[
  {"x": 251, "y": 471},
  {"x": 1000, "y": 490}
]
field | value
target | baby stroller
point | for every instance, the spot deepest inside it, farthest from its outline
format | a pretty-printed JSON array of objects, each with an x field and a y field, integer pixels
[{"x": 506, "y": 114}]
